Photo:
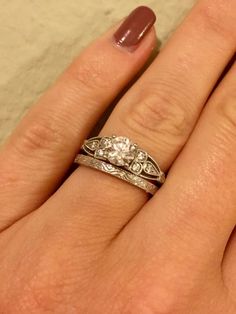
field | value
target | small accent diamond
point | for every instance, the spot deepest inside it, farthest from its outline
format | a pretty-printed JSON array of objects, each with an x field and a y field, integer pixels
[
  {"x": 92, "y": 145},
  {"x": 150, "y": 169},
  {"x": 133, "y": 147},
  {"x": 99, "y": 153},
  {"x": 105, "y": 142},
  {"x": 141, "y": 156},
  {"x": 136, "y": 167}
]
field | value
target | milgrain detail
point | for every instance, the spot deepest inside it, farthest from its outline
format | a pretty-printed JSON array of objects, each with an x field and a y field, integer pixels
[{"x": 116, "y": 172}]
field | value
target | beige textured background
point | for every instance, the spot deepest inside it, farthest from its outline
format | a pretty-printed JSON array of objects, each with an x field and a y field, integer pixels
[{"x": 38, "y": 39}]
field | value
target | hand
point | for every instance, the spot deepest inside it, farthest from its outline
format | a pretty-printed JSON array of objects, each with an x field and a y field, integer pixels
[{"x": 91, "y": 243}]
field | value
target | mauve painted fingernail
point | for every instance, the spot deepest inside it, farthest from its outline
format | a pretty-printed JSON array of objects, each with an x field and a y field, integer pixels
[{"x": 135, "y": 27}]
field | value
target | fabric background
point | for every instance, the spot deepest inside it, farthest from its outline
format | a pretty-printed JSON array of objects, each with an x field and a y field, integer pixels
[{"x": 39, "y": 38}]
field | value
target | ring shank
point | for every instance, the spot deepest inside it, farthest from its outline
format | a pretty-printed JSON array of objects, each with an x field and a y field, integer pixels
[{"x": 116, "y": 172}]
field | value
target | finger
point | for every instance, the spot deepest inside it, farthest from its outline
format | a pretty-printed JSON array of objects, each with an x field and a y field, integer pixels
[
  {"x": 229, "y": 265},
  {"x": 160, "y": 111},
  {"x": 197, "y": 202},
  {"x": 39, "y": 152}
]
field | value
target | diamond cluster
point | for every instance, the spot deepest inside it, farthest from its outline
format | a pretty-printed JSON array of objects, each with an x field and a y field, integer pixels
[{"x": 122, "y": 152}]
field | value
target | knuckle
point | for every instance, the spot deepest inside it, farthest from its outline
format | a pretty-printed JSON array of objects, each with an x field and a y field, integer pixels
[
  {"x": 90, "y": 74},
  {"x": 162, "y": 301},
  {"x": 45, "y": 292},
  {"x": 43, "y": 136},
  {"x": 218, "y": 16},
  {"x": 35, "y": 301},
  {"x": 160, "y": 112}
]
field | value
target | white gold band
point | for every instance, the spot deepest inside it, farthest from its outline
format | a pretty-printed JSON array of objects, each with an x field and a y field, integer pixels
[{"x": 116, "y": 172}]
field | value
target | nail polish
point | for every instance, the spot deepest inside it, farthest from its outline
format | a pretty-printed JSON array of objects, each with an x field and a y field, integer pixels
[{"x": 135, "y": 27}]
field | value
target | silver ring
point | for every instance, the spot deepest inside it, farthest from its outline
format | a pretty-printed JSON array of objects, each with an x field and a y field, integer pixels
[
  {"x": 122, "y": 152},
  {"x": 116, "y": 172}
]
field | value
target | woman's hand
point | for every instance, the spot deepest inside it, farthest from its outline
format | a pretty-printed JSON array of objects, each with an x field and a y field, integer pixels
[{"x": 91, "y": 243}]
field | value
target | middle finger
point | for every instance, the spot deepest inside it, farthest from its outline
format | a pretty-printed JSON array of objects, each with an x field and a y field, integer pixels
[{"x": 158, "y": 113}]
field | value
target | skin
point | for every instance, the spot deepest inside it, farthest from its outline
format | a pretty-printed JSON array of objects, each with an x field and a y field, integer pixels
[{"x": 91, "y": 243}]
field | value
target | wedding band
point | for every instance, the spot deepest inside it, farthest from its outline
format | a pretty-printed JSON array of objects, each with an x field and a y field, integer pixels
[
  {"x": 116, "y": 172},
  {"x": 123, "y": 153}
]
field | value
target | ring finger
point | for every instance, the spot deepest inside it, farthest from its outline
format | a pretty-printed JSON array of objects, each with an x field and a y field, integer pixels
[{"x": 158, "y": 113}]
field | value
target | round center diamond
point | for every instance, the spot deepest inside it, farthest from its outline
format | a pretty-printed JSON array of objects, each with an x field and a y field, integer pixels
[{"x": 121, "y": 152}]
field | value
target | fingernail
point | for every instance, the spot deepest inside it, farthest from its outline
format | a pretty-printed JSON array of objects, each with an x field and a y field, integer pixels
[{"x": 135, "y": 27}]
